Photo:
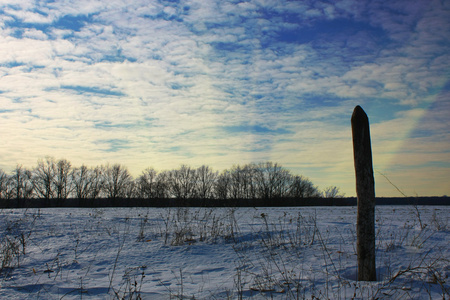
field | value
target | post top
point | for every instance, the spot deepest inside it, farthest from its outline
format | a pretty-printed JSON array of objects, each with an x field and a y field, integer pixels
[{"x": 359, "y": 115}]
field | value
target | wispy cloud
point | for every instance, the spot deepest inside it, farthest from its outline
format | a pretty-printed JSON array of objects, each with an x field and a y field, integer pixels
[{"x": 217, "y": 82}]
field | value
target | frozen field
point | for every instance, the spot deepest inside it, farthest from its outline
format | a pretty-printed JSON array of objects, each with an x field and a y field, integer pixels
[{"x": 222, "y": 253}]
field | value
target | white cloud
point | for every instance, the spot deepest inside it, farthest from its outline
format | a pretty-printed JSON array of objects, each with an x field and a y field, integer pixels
[{"x": 167, "y": 80}]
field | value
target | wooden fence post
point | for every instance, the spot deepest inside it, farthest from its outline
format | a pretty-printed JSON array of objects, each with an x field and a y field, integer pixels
[{"x": 365, "y": 191}]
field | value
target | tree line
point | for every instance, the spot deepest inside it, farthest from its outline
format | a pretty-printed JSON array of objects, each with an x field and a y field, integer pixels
[{"x": 57, "y": 179}]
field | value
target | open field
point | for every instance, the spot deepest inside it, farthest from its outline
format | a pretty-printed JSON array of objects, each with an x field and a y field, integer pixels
[{"x": 220, "y": 253}]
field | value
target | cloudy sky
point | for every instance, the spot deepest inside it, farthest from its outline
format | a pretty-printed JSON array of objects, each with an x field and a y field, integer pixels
[{"x": 164, "y": 83}]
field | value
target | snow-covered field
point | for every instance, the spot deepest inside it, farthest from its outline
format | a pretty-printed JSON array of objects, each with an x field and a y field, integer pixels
[{"x": 220, "y": 253}]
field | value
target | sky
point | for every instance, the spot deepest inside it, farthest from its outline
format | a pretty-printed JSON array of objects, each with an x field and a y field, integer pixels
[{"x": 221, "y": 83}]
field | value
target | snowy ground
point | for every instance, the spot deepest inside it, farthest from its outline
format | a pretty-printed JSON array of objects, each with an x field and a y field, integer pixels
[{"x": 222, "y": 253}]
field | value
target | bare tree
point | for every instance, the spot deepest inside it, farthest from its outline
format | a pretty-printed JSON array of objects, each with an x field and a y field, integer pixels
[
  {"x": 206, "y": 178},
  {"x": 97, "y": 182},
  {"x": 282, "y": 184},
  {"x": 62, "y": 180},
  {"x": 4, "y": 185},
  {"x": 21, "y": 183},
  {"x": 302, "y": 187},
  {"x": 243, "y": 182},
  {"x": 52, "y": 179},
  {"x": 131, "y": 189},
  {"x": 147, "y": 183},
  {"x": 332, "y": 192},
  {"x": 162, "y": 185},
  {"x": 16, "y": 186},
  {"x": 43, "y": 178},
  {"x": 273, "y": 181},
  {"x": 82, "y": 182},
  {"x": 236, "y": 189},
  {"x": 182, "y": 182},
  {"x": 222, "y": 185},
  {"x": 249, "y": 183},
  {"x": 116, "y": 181}
]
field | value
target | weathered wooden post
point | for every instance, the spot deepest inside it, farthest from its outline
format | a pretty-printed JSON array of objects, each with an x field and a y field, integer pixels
[{"x": 365, "y": 191}]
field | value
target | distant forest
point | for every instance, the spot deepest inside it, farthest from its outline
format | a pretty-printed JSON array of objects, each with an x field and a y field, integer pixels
[{"x": 56, "y": 180}]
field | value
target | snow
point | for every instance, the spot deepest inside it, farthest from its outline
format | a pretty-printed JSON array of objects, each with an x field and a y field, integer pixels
[{"x": 220, "y": 253}]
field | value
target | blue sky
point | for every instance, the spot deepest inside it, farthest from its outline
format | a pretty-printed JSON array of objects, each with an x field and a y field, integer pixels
[{"x": 164, "y": 83}]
